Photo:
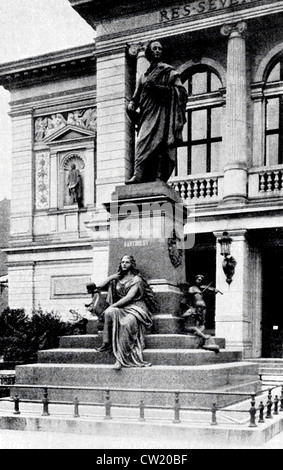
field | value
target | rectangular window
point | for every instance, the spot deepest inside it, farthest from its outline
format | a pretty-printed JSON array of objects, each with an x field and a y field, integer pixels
[
  {"x": 272, "y": 149},
  {"x": 216, "y": 122},
  {"x": 202, "y": 135},
  {"x": 272, "y": 114},
  {"x": 199, "y": 125},
  {"x": 199, "y": 83},
  {"x": 198, "y": 159},
  {"x": 215, "y": 156},
  {"x": 182, "y": 161},
  {"x": 274, "y": 131}
]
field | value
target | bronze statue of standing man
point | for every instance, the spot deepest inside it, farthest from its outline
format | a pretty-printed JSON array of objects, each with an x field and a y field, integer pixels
[{"x": 158, "y": 108}]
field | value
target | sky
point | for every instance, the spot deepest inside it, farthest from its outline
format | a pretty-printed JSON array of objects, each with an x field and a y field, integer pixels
[{"x": 30, "y": 28}]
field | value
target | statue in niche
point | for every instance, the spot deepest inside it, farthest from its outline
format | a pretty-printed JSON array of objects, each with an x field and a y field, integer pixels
[
  {"x": 193, "y": 311},
  {"x": 75, "y": 187},
  {"x": 158, "y": 109}
]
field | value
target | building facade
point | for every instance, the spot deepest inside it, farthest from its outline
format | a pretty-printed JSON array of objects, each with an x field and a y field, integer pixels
[{"x": 70, "y": 108}]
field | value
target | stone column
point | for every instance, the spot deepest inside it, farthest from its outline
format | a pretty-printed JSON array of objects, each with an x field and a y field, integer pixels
[
  {"x": 237, "y": 308},
  {"x": 235, "y": 171}
]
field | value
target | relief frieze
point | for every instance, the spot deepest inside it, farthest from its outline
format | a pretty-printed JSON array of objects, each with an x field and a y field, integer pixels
[{"x": 48, "y": 125}]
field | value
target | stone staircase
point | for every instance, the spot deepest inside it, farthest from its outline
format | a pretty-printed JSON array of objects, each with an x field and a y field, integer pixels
[
  {"x": 177, "y": 364},
  {"x": 270, "y": 370}
]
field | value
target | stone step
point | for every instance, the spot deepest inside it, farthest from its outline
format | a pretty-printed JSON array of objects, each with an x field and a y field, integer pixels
[
  {"x": 163, "y": 323},
  {"x": 151, "y": 341},
  {"x": 231, "y": 377},
  {"x": 154, "y": 356},
  {"x": 270, "y": 370},
  {"x": 274, "y": 362}
]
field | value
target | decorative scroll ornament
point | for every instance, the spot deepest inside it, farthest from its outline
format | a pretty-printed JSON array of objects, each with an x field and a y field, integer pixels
[
  {"x": 229, "y": 28},
  {"x": 175, "y": 253}
]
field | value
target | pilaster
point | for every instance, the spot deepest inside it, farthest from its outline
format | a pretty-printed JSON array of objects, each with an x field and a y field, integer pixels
[
  {"x": 22, "y": 177},
  {"x": 113, "y": 126},
  {"x": 21, "y": 286},
  {"x": 238, "y": 310}
]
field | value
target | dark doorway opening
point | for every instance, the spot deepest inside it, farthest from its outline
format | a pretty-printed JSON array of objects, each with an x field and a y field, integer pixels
[
  {"x": 202, "y": 260},
  {"x": 272, "y": 313}
]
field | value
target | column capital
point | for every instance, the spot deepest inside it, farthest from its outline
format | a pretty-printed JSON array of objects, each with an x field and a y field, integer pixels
[
  {"x": 235, "y": 29},
  {"x": 238, "y": 233},
  {"x": 134, "y": 49}
]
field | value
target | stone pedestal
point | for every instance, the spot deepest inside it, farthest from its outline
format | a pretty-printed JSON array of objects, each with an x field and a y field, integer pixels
[{"x": 146, "y": 221}]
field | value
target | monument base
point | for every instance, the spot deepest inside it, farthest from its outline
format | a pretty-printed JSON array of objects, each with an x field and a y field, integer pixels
[{"x": 146, "y": 222}]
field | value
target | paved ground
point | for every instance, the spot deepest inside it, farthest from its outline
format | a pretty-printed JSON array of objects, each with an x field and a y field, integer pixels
[
  {"x": 11, "y": 439},
  {"x": 47, "y": 440}
]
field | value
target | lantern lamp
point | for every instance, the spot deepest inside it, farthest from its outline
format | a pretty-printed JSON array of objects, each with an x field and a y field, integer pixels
[{"x": 229, "y": 263}]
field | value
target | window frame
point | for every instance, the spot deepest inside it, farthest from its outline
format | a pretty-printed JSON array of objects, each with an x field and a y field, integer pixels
[
  {"x": 203, "y": 101},
  {"x": 274, "y": 90}
]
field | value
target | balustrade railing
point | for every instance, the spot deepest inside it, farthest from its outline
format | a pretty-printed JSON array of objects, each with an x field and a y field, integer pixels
[
  {"x": 197, "y": 189},
  {"x": 270, "y": 181},
  {"x": 263, "y": 182},
  {"x": 254, "y": 414},
  {"x": 266, "y": 182}
]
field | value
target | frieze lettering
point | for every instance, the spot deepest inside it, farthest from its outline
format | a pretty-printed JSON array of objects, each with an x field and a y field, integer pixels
[{"x": 196, "y": 8}]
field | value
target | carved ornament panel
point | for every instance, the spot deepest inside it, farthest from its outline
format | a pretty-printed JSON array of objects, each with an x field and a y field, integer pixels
[{"x": 42, "y": 172}]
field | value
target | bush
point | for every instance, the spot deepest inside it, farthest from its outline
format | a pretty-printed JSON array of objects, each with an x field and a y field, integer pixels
[{"x": 22, "y": 336}]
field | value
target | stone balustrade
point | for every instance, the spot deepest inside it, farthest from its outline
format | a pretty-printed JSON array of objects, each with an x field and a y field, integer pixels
[
  {"x": 263, "y": 182},
  {"x": 266, "y": 182},
  {"x": 200, "y": 189}
]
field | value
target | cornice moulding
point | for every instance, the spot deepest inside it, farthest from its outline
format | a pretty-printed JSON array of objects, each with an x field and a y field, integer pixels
[
  {"x": 37, "y": 69},
  {"x": 41, "y": 105}
]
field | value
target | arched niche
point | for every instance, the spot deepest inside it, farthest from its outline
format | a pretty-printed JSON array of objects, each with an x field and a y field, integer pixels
[{"x": 69, "y": 160}]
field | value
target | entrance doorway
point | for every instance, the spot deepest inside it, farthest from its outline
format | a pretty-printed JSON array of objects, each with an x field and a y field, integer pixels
[{"x": 272, "y": 314}]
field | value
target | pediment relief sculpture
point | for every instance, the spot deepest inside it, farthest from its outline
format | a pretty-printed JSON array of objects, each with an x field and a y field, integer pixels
[{"x": 46, "y": 126}]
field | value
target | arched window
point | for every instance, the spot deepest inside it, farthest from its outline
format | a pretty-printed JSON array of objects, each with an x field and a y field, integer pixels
[
  {"x": 273, "y": 92},
  {"x": 202, "y": 135}
]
